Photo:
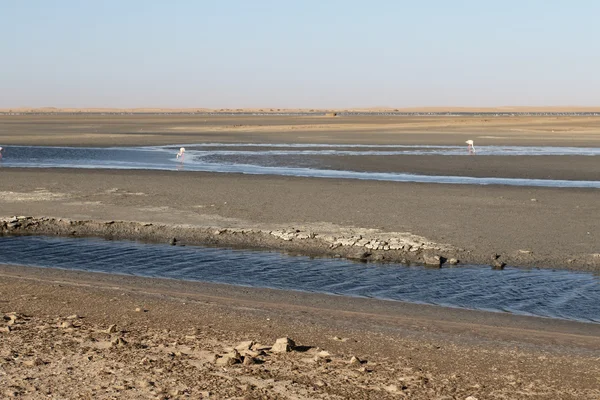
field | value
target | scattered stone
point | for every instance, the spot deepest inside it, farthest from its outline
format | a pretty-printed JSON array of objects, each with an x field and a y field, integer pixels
[
  {"x": 144, "y": 384},
  {"x": 74, "y": 316},
  {"x": 497, "y": 264},
  {"x": 173, "y": 241},
  {"x": 34, "y": 363},
  {"x": 118, "y": 341},
  {"x": 355, "y": 361},
  {"x": 283, "y": 345},
  {"x": 433, "y": 260},
  {"x": 5, "y": 329},
  {"x": 534, "y": 200},
  {"x": 260, "y": 347},
  {"x": 323, "y": 354},
  {"x": 391, "y": 388},
  {"x": 111, "y": 329},
  {"x": 138, "y": 309},
  {"x": 247, "y": 345},
  {"x": 67, "y": 325},
  {"x": 249, "y": 360},
  {"x": 359, "y": 255},
  {"x": 471, "y": 398},
  {"x": 231, "y": 358}
]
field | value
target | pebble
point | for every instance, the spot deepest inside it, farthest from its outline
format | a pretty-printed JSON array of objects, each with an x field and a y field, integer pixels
[
  {"x": 66, "y": 325},
  {"x": 355, "y": 361}
]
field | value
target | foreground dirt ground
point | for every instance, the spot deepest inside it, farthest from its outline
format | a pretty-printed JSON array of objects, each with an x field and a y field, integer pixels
[{"x": 81, "y": 335}]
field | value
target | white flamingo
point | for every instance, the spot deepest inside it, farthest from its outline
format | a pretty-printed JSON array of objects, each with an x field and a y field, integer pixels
[
  {"x": 470, "y": 146},
  {"x": 181, "y": 153}
]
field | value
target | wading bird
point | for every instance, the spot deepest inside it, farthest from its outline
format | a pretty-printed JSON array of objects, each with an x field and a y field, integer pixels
[
  {"x": 470, "y": 146},
  {"x": 0, "y": 153},
  {"x": 181, "y": 153}
]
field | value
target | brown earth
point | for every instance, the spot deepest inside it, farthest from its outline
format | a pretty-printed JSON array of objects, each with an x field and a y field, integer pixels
[
  {"x": 167, "y": 335},
  {"x": 155, "y": 129}
]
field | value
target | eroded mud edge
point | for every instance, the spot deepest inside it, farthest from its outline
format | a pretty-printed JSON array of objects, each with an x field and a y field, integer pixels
[{"x": 366, "y": 245}]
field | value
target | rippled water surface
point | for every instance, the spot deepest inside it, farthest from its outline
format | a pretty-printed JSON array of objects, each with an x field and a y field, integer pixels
[
  {"x": 555, "y": 294},
  {"x": 282, "y": 159}
]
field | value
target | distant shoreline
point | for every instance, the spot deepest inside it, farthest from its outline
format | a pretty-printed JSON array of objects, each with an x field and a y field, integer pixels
[{"x": 272, "y": 110}]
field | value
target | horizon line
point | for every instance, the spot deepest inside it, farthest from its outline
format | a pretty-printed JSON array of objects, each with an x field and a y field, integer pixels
[{"x": 51, "y": 109}]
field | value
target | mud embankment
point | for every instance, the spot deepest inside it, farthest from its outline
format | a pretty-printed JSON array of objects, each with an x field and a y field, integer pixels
[{"x": 364, "y": 245}]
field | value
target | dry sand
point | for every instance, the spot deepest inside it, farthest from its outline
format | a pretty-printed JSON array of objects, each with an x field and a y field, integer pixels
[
  {"x": 118, "y": 130},
  {"x": 411, "y": 351},
  {"x": 168, "y": 333}
]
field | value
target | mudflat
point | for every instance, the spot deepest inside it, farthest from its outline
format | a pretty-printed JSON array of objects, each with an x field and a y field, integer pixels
[
  {"x": 169, "y": 336},
  {"x": 545, "y": 227}
]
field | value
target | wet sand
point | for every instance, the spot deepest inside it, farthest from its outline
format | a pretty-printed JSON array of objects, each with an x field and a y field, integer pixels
[
  {"x": 557, "y": 229},
  {"x": 168, "y": 333}
]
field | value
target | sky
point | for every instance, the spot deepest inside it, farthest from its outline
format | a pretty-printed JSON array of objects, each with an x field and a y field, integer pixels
[{"x": 299, "y": 53}]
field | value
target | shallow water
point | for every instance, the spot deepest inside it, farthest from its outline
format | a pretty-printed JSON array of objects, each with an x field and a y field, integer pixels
[
  {"x": 281, "y": 159},
  {"x": 555, "y": 294}
]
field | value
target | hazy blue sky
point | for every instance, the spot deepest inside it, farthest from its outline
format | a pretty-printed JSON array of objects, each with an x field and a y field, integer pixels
[{"x": 299, "y": 53}]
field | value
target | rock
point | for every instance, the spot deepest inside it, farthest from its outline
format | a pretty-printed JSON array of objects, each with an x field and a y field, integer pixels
[
  {"x": 249, "y": 360},
  {"x": 144, "y": 384},
  {"x": 34, "y": 363},
  {"x": 497, "y": 264},
  {"x": 247, "y": 345},
  {"x": 283, "y": 345},
  {"x": 323, "y": 354},
  {"x": 118, "y": 341},
  {"x": 359, "y": 255},
  {"x": 355, "y": 361},
  {"x": 66, "y": 325},
  {"x": 495, "y": 256},
  {"x": 453, "y": 261},
  {"x": 173, "y": 241},
  {"x": 111, "y": 329},
  {"x": 74, "y": 316},
  {"x": 138, "y": 309},
  {"x": 5, "y": 329},
  {"x": 260, "y": 347},
  {"x": 433, "y": 260},
  {"x": 231, "y": 358},
  {"x": 471, "y": 398},
  {"x": 252, "y": 353}
]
